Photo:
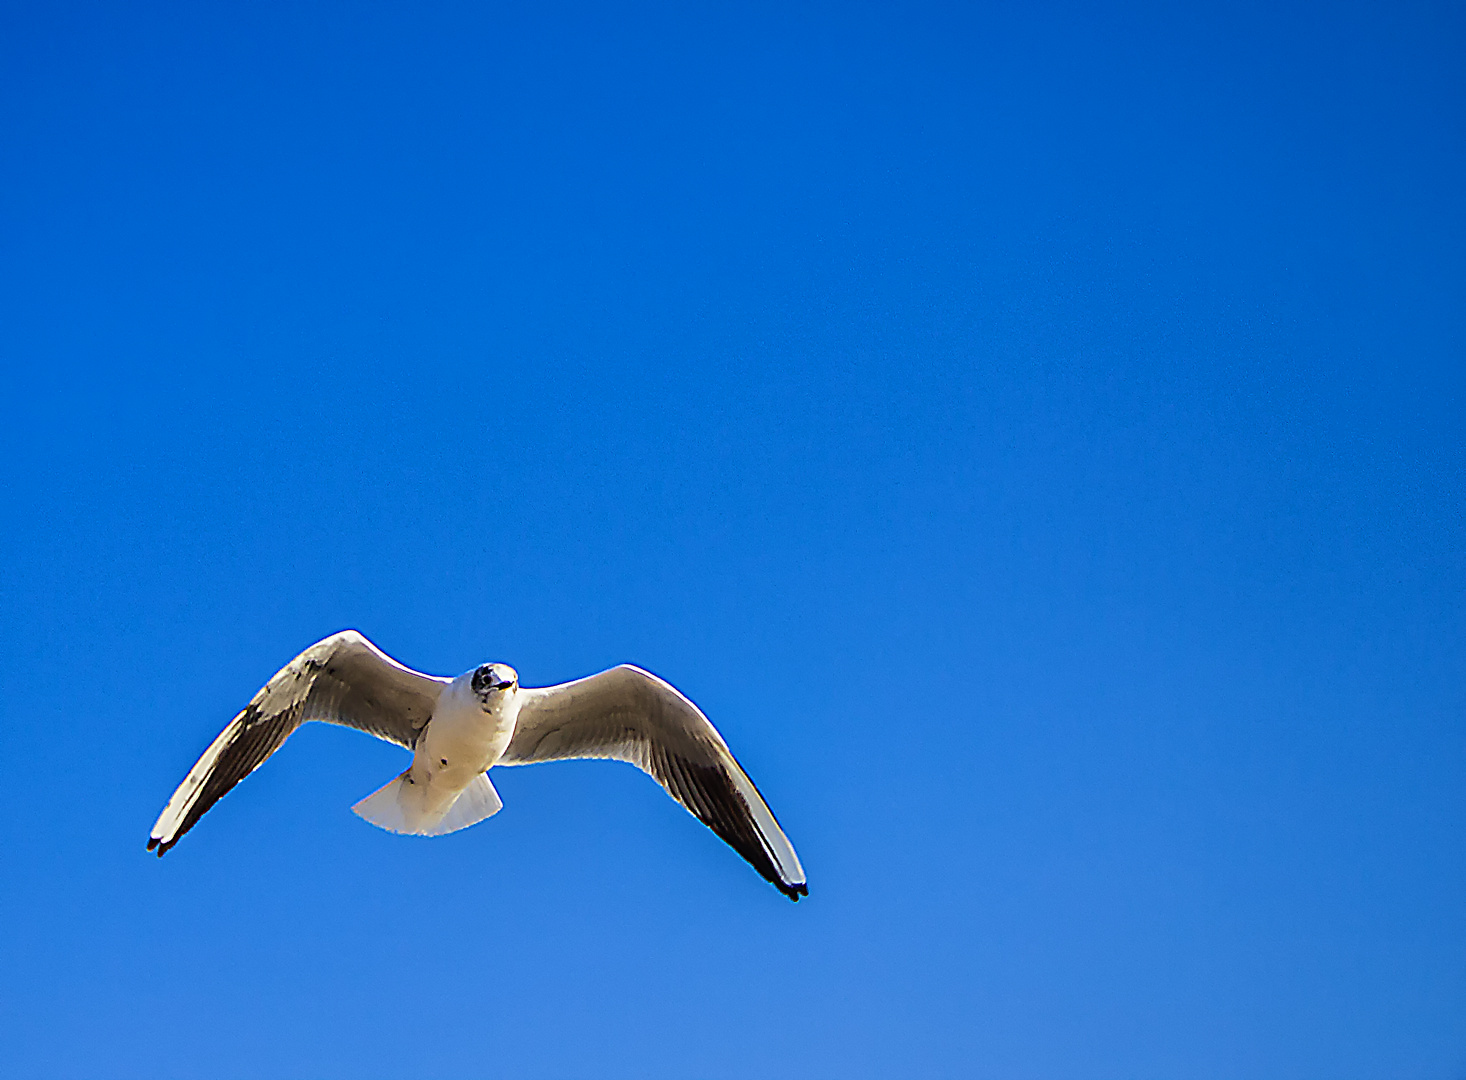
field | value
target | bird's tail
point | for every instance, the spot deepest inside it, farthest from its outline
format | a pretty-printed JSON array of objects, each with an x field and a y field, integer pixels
[{"x": 406, "y": 807}]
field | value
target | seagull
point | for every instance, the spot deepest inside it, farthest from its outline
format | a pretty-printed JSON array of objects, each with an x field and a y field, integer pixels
[{"x": 458, "y": 729}]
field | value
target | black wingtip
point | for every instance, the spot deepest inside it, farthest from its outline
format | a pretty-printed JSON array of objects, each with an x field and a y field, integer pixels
[
  {"x": 154, "y": 842},
  {"x": 793, "y": 892}
]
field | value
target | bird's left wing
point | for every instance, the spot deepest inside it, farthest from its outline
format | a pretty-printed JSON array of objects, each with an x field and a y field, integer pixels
[
  {"x": 627, "y": 714},
  {"x": 344, "y": 679}
]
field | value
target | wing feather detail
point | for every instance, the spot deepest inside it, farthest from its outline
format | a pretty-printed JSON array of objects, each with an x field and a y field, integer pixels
[
  {"x": 627, "y": 714},
  {"x": 344, "y": 679}
]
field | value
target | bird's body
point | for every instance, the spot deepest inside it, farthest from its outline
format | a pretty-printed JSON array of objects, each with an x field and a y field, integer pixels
[
  {"x": 458, "y": 729},
  {"x": 465, "y": 739}
]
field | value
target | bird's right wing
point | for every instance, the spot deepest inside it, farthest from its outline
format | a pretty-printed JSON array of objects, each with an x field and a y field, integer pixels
[
  {"x": 344, "y": 679},
  {"x": 630, "y": 715}
]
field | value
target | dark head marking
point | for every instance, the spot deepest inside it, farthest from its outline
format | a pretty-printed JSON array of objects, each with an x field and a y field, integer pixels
[{"x": 490, "y": 677}]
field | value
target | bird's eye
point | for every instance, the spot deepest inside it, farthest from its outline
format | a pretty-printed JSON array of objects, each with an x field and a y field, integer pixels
[{"x": 483, "y": 679}]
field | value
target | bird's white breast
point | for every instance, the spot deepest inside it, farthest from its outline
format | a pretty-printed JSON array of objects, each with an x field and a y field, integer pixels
[{"x": 463, "y": 739}]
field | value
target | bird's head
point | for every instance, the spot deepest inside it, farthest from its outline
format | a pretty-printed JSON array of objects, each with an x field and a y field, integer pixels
[{"x": 491, "y": 679}]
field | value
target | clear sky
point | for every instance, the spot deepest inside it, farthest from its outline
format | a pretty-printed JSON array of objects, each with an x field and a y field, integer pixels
[{"x": 1034, "y": 434}]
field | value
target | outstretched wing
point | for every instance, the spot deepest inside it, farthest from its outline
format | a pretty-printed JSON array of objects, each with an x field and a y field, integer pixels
[
  {"x": 627, "y": 714},
  {"x": 344, "y": 679}
]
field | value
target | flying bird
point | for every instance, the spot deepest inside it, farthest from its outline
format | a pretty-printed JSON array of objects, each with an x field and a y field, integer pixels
[{"x": 458, "y": 729}]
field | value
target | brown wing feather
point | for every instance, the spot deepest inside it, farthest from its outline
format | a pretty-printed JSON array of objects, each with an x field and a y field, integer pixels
[
  {"x": 629, "y": 715},
  {"x": 343, "y": 680}
]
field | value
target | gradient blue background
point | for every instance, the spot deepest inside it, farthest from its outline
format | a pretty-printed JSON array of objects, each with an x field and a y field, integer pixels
[{"x": 1033, "y": 433}]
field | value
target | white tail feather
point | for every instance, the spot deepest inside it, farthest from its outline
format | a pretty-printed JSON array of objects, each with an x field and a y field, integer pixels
[{"x": 402, "y": 807}]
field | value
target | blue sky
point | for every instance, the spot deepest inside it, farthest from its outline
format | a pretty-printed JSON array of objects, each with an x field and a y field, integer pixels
[{"x": 1033, "y": 433}]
